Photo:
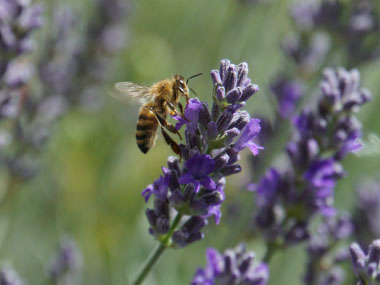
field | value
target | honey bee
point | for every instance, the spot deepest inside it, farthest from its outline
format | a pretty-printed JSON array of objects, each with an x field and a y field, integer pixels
[{"x": 157, "y": 101}]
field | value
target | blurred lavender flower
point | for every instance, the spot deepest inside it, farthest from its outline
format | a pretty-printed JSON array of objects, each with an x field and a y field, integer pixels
[
  {"x": 288, "y": 199},
  {"x": 235, "y": 266},
  {"x": 65, "y": 266},
  {"x": 18, "y": 20},
  {"x": 366, "y": 266},
  {"x": 355, "y": 23},
  {"x": 72, "y": 69},
  {"x": 287, "y": 93},
  {"x": 75, "y": 63},
  {"x": 366, "y": 212},
  {"x": 307, "y": 51},
  {"x": 324, "y": 252},
  {"x": 213, "y": 142},
  {"x": 9, "y": 277}
]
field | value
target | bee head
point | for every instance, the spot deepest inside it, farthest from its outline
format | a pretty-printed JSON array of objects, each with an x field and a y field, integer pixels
[{"x": 180, "y": 83}]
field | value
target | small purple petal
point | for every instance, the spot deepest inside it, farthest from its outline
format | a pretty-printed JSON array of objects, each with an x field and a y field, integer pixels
[
  {"x": 186, "y": 179},
  {"x": 200, "y": 165},
  {"x": 147, "y": 192},
  {"x": 208, "y": 183},
  {"x": 250, "y": 131}
]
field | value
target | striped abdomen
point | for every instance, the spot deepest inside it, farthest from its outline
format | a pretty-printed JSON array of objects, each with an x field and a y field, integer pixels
[{"x": 146, "y": 129}]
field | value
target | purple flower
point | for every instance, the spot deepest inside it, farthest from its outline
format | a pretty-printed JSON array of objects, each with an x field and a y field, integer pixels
[
  {"x": 251, "y": 130},
  {"x": 268, "y": 187},
  {"x": 198, "y": 168},
  {"x": 355, "y": 23},
  {"x": 288, "y": 93},
  {"x": 289, "y": 199},
  {"x": 191, "y": 114},
  {"x": 189, "y": 232},
  {"x": 159, "y": 187},
  {"x": 366, "y": 266},
  {"x": 214, "y": 211},
  {"x": 367, "y": 211},
  {"x": 67, "y": 262},
  {"x": 231, "y": 268},
  {"x": 325, "y": 245},
  {"x": 323, "y": 173}
]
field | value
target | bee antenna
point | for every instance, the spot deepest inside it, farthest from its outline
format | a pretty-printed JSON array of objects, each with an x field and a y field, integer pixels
[
  {"x": 187, "y": 80},
  {"x": 192, "y": 90}
]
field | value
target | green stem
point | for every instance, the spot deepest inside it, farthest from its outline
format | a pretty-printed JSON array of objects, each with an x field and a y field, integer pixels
[
  {"x": 156, "y": 253},
  {"x": 271, "y": 249}
]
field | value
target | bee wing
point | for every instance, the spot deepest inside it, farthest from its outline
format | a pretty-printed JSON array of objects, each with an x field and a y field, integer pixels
[{"x": 132, "y": 92}]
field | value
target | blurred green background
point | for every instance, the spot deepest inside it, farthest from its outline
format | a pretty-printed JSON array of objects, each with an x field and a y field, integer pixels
[{"x": 92, "y": 174}]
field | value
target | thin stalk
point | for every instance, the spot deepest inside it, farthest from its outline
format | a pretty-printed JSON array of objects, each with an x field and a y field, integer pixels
[
  {"x": 156, "y": 253},
  {"x": 269, "y": 254}
]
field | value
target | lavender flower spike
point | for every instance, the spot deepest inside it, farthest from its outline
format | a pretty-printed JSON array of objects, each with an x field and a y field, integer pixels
[
  {"x": 234, "y": 267},
  {"x": 290, "y": 198},
  {"x": 188, "y": 194},
  {"x": 324, "y": 248},
  {"x": 213, "y": 142},
  {"x": 366, "y": 266},
  {"x": 67, "y": 262}
]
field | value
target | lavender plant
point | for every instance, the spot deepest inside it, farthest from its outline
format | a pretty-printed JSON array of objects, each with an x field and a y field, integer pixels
[
  {"x": 66, "y": 264},
  {"x": 366, "y": 266},
  {"x": 235, "y": 266},
  {"x": 366, "y": 212},
  {"x": 326, "y": 251},
  {"x": 18, "y": 21},
  {"x": 186, "y": 195},
  {"x": 351, "y": 25},
  {"x": 321, "y": 29},
  {"x": 288, "y": 199},
  {"x": 72, "y": 68},
  {"x": 9, "y": 277}
]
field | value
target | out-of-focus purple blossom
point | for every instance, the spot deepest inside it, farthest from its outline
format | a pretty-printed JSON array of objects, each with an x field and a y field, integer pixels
[
  {"x": 288, "y": 199},
  {"x": 70, "y": 75},
  {"x": 75, "y": 63},
  {"x": 18, "y": 20},
  {"x": 324, "y": 248},
  {"x": 355, "y": 23},
  {"x": 9, "y": 277},
  {"x": 308, "y": 52},
  {"x": 66, "y": 264},
  {"x": 287, "y": 93},
  {"x": 366, "y": 212},
  {"x": 235, "y": 266},
  {"x": 214, "y": 139},
  {"x": 366, "y": 263}
]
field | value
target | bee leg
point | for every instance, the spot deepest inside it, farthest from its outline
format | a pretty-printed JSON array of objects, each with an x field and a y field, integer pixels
[
  {"x": 172, "y": 143},
  {"x": 181, "y": 108},
  {"x": 165, "y": 124},
  {"x": 174, "y": 111},
  {"x": 187, "y": 98}
]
